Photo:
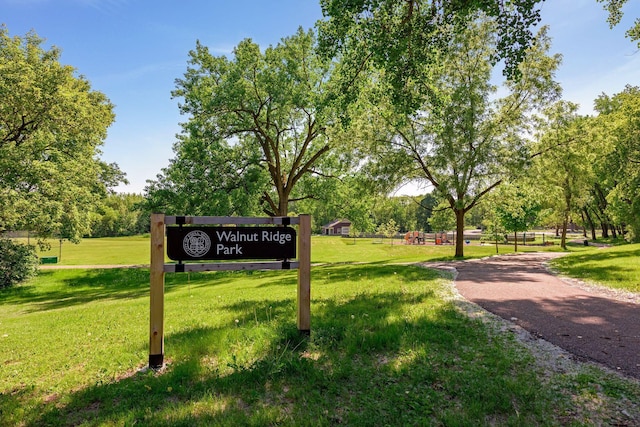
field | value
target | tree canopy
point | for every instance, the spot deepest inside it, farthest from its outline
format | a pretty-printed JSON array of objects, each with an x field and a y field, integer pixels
[
  {"x": 466, "y": 147},
  {"x": 270, "y": 105},
  {"x": 51, "y": 127},
  {"x": 614, "y": 8},
  {"x": 408, "y": 39},
  {"x": 618, "y": 125}
]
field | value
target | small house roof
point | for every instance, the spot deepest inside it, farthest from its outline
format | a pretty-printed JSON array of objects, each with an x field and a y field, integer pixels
[{"x": 336, "y": 222}]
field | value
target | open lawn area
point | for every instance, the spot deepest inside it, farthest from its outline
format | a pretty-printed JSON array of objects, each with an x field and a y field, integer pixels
[
  {"x": 388, "y": 346},
  {"x": 132, "y": 250},
  {"x": 325, "y": 249},
  {"x": 616, "y": 267}
]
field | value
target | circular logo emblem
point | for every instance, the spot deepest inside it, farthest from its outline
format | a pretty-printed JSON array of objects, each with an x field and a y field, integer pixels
[{"x": 196, "y": 243}]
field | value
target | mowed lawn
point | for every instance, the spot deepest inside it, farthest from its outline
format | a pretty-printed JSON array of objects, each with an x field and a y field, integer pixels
[
  {"x": 388, "y": 346},
  {"x": 132, "y": 250},
  {"x": 325, "y": 249},
  {"x": 617, "y": 267}
]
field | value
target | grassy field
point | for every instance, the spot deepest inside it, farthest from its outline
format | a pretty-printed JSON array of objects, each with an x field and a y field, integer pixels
[
  {"x": 325, "y": 249},
  {"x": 617, "y": 267},
  {"x": 104, "y": 251},
  {"x": 388, "y": 347}
]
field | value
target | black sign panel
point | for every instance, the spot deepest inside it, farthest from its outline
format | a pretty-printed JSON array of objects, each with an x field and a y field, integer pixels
[{"x": 222, "y": 243}]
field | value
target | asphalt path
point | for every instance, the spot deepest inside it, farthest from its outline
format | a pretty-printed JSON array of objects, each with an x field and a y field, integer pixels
[{"x": 591, "y": 324}]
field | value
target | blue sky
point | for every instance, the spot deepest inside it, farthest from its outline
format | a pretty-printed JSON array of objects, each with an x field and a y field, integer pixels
[{"x": 133, "y": 50}]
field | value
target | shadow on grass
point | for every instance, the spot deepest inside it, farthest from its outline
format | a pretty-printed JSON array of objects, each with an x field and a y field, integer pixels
[
  {"x": 586, "y": 265},
  {"x": 73, "y": 287},
  {"x": 394, "y": 357},
  {"x": 351, "y": 272},
  {"x": 602, "y": 254},
  {"x": 65, "y": 288}
]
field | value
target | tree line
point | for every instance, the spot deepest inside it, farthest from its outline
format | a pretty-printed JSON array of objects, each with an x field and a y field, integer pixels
[
  {"x": 329, "y": 122},
  {"x": 326, "y": 123}
]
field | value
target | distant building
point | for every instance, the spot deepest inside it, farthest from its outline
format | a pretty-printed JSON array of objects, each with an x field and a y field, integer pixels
[{"x": 339, "y": 227}]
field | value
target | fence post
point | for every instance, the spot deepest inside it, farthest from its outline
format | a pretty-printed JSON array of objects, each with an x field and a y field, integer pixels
[
  {"x": 156, "y": 281},
  {"x": 304, "y": 275}
]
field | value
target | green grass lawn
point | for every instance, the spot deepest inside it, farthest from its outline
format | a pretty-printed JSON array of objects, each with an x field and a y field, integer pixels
[
  {"x": 387, "y": 347},
  {"x": 617, "y": 267},
  {"x": 325, "y": 249},
  {"x": 132, "y": 250},
  {"x": 336, "y": 249}
]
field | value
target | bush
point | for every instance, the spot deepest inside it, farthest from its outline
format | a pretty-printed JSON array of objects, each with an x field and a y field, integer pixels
[{"x": 18, "y": 262}]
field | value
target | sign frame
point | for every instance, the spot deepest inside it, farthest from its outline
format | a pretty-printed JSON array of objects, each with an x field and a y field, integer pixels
[
  {"x": 198, "y": 243},
  {"x": 158, "y": 268}
]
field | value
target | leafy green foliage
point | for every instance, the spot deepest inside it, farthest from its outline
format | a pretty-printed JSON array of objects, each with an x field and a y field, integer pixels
[
  {"x": 518, "y": 209},
  {"x": 442, "y": 218},
  {"x": 424, "y": 212},
  {"x": 618, "y": 124},
  {"x": 466, "y": 147},
  {"x": 208, "y": 177},
  {"x": 614, "y": 8},
  {"x": 18, "y": 262},
  {"x": 563, "y": 163},
  {"x": 407, "y": 40},
  {"x": 120, "y": 215},
  {"x": 389, "y": 229},
  {"x": 259, "y": 108},
  {"x": 346, "y": 197},
  {"x": 51, "y": 127}
]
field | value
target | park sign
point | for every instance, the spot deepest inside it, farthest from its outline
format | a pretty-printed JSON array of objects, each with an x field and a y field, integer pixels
[
  {"x": 195, "y": 238},
  {"x": 227, "y": 243}
]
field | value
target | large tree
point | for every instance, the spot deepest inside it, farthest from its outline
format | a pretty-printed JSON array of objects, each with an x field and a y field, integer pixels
[
  {"x": 407, "y": 39},
  {"x": 564, "y": 168},
  {"x": 272, "y": 103},
  {"x": 208, "y": 176},
  {"x": 466, "y": 146},
  {"x": 618, "y": 165},
  {"x": 51, "y": 127}
]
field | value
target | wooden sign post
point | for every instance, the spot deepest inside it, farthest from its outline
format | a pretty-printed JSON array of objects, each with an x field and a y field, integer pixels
[
  {"x": 196, "y": 238},
  {"x": 156, "y": 293},
  {"x": 304, "y": 275}
]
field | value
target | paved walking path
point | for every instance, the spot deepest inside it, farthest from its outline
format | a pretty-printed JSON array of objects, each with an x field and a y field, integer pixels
[{"x": 589, "y": 323}]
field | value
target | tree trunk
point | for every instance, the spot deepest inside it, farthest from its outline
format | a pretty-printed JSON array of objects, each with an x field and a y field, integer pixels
[
  {"x": 563, "y": 240},
  {"x": 283, "y": 201},
  {"x": 567, "y": 211},
  {"x": 459, "y": 233},
  {"x": 592, "y": 226},
  {"x": 601, "y": 204},
  {"x": 515, "y": 239}
]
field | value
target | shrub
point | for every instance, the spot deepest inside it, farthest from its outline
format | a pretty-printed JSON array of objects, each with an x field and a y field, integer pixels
[{"x": 18, "y": 262}]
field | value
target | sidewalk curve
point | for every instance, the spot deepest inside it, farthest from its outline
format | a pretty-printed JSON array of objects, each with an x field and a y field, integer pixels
[{"x": 587, "y": 322}]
